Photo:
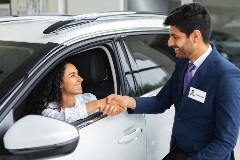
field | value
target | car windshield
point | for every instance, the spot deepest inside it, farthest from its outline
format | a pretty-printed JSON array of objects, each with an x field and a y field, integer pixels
[{"x": 12, "y": 54}]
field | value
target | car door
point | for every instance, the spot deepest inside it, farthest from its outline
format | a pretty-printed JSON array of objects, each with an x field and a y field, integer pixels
[
  {"x": 111, "y": 137},
  {"x": 155, "y": 63}
]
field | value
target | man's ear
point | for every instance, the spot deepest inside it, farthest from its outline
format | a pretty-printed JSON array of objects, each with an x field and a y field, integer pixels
[{"x": 196, "y": 36}]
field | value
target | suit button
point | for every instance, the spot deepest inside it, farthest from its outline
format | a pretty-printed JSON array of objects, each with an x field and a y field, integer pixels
[{"x": 178, "y": 119}]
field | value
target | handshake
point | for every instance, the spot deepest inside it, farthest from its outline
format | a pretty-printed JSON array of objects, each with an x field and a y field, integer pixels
[{"x": 115, "y": 104}]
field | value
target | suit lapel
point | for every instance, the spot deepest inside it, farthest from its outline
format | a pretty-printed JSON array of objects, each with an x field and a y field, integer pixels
[
  {"x": 202, "y": 71},
  {"x": 181, "y": 79}
]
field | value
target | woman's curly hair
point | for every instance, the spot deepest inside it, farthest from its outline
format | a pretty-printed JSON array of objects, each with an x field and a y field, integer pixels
[{"x": 48, "y": 90}]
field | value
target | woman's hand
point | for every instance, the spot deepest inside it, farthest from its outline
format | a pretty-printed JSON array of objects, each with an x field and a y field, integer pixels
[
  {"x": 113, "y": 108},
  {"x": 122, "y": 101}
]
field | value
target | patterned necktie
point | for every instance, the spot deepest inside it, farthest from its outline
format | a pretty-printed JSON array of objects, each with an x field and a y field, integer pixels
[{"x": 188, "y": 76}]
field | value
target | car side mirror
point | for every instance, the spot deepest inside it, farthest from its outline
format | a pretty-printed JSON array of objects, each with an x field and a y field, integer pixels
[{"x": 39, "y": 136}]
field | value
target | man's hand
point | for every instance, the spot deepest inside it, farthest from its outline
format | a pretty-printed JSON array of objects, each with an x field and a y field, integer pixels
[
  {"x": 122, "y": 101},
  {"x": 111, "y": 108},
  {"x": 116, "y": 104}
]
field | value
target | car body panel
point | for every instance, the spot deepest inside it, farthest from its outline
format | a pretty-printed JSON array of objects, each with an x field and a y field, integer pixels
[
  {"x": 159, "y": 127},
  {"x": 99, "y": 27},
  {"x": 99, "y": 145}
]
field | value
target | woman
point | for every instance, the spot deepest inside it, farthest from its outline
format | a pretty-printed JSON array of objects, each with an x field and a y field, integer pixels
[{"x": 60, "y": 96}]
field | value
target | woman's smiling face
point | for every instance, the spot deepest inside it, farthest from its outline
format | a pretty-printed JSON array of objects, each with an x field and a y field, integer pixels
[{"x": 71, "y": 81}]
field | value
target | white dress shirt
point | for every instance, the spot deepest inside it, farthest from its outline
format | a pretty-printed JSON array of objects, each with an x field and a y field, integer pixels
[
  {"x": 200, "y": 60},
  {"x": 79, "y": 111}
]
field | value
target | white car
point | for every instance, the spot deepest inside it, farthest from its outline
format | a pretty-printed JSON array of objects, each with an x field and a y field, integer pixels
[{"x": 119, "y": 52}]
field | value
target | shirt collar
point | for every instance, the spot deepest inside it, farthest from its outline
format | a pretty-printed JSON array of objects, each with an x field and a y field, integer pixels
[{"x": 200, "y": 60}]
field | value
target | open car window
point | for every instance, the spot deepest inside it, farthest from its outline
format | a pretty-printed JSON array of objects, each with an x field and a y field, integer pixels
[{"x": 95, "y": 66}]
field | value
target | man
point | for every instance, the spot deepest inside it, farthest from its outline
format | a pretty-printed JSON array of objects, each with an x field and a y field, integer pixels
[{"x": 206, "y": 125}]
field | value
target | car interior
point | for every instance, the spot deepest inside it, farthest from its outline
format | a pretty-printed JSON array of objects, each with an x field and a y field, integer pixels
[{"x": 95, "y": 67}]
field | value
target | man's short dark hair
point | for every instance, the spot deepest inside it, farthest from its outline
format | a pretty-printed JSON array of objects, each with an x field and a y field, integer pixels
[{"x": 190, "y": 17}]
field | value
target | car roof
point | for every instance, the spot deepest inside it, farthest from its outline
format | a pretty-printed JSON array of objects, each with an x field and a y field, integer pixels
[{"x": 61, "y": 29}]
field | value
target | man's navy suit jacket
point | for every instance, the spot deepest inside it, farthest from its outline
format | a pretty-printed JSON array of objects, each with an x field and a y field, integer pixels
[{"x": 206, "y": 130}]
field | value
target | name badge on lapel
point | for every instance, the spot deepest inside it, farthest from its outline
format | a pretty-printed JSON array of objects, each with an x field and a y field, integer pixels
[{"x": 197, "y": 94}]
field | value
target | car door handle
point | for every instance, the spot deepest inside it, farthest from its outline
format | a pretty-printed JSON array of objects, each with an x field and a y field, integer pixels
[{"x": 131, "y": 136}]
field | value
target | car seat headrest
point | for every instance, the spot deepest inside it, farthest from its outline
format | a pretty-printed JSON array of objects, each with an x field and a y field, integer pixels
[{"x": 90, "y": 66}]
